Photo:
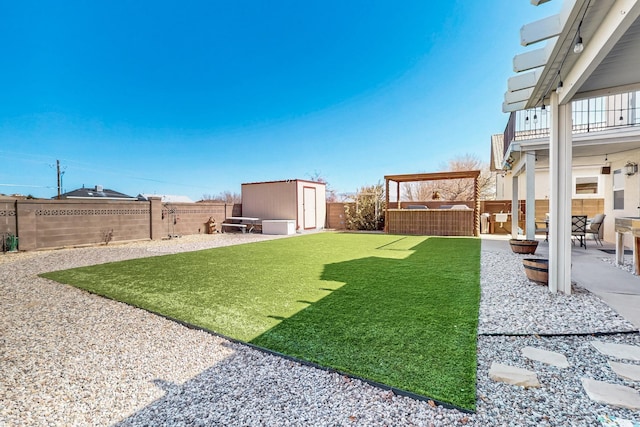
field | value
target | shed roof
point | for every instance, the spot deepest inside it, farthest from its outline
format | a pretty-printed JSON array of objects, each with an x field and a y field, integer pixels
[{"x": 284, "y": 181}]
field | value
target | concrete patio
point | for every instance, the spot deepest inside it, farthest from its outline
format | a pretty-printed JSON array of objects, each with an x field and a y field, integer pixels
[{"x": 617, "y": 287}]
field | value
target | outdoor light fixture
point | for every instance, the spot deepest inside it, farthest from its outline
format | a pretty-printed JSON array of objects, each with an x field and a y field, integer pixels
[
  {"x": 578, "y": 47},
  {"x": 631, "y": 168},
  {"x": 535, "y": 118}
]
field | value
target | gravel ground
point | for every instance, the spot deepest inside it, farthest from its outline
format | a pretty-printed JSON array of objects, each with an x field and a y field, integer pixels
[
  {"x": 71, "y": 358},
  {"x": 511, "y": 304}
]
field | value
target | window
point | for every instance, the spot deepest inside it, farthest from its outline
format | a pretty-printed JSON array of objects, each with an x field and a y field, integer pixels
[
  {"x": 618, "y": 189},
  {"x": 586, "y": 185}
]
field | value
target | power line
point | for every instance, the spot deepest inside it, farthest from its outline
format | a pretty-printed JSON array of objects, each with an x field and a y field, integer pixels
[{"x": 25, "y": 185}]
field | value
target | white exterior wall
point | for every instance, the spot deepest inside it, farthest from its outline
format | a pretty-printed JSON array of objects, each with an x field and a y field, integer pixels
[
  {"x": 589, "y": 167},
  {"x": 543, "y": 186},
  {"x": 631, "y": 195}
]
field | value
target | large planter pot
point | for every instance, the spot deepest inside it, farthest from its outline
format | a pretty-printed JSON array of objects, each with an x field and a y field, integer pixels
[
  {"x": 523, "y": 246},
  {"x": 537, "y": 270}
]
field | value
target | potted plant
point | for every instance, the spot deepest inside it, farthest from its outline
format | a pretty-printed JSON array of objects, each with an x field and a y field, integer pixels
[
  {"x": 537, "y": 270},
  {"x": 523, "y": 246}
]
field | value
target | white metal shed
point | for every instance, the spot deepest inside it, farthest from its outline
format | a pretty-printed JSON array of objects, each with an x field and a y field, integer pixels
[{"x": 294, "y": 199}]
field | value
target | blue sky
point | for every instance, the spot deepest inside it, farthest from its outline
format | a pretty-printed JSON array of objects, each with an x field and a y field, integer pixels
[{"x": 197, "y": 97}]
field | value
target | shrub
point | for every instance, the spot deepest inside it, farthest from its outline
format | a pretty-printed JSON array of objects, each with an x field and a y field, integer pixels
[{"x": 367, "y": 213}]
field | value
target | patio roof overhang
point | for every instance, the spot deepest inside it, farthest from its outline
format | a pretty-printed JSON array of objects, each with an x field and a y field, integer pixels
[
  {"x": 610, "y": 32},
  {"x": 557, "y": 74}
]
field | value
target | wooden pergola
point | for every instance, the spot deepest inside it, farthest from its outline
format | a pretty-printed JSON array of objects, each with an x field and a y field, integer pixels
[{"x": 417, "y": 177}]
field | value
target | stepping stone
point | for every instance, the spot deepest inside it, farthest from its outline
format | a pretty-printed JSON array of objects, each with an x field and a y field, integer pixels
[
  {"x": 619, "y": 396},
  {"x": 513, "y": 375},
  {"x": 546, "y": 356},
  {"x": 619, "y": 351},
  {"x": 625, "y": 370},
  {"x": 613, "y": 421}
]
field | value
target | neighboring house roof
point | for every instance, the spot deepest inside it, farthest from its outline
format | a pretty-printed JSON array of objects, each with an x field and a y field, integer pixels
[
  {"x": 497, "y": 151},
  {"x": 97, "y": 192},
  {"x": 167, "y": 198},
  {"x": 12, "y": 197}
]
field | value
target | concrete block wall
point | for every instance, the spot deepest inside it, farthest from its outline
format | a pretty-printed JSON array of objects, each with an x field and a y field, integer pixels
[
  {"x": 43, "y": 224},
  {"x": 189, "y": 218},
  {"x": 8, "y": 217}
]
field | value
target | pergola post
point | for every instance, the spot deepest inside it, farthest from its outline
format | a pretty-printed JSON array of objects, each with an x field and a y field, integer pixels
[
  {"x": 476, "y": 208},
  {"x": 530, "y": 204},
  {"x": 560, "y": 162},
  {"x": 514, "y": 207},
  {"x": 386, "y": 205}
]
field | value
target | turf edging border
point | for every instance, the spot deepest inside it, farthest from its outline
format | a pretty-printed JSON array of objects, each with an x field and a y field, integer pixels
[{"x": 397, "y": 391}]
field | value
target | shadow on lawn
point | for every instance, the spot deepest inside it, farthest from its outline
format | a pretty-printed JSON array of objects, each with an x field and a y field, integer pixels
[
  {"x": 408, "y": 323},
  {"x": 392, "y": 322}
]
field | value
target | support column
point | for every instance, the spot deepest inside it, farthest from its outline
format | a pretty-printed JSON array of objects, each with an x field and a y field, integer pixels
[
  {"x": 560, "y": 163},
  {"x": 155, "y": 218},
  {"x": 26, "y": 228},
  {"x": 530, "y": 206},
  {"x": 514, "y": 207}
]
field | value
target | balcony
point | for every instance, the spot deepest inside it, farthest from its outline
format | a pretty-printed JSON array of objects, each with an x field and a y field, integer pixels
[{"x": 589, "y": 116}]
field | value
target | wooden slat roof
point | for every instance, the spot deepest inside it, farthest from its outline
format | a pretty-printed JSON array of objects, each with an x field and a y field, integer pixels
[{"x": 414, "y": 177}]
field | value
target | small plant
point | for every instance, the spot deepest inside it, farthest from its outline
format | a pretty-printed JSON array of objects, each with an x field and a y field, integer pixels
[
  {"x": 11, "y": 243},
  {"x": 107, "y": 236}
]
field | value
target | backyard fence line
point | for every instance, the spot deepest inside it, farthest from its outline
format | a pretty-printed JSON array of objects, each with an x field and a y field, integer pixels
[{"x": 47, "y": 224}]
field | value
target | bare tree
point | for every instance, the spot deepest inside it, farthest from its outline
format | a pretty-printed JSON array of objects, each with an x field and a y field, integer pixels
[
  {"x": 331, "y": 195},
  {"x": 224, "y": 197},
  {"x": 454, "y": 189}
]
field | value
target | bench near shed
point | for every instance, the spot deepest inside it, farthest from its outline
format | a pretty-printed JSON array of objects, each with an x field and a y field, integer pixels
[{"x": 242, "y": 227}]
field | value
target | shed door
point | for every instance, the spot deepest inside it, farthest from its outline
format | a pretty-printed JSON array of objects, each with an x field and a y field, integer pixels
[{"x": 309, "y": 207}]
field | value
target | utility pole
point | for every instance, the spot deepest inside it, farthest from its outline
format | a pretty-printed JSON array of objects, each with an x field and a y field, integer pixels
[{"x": 58, "y": 170}]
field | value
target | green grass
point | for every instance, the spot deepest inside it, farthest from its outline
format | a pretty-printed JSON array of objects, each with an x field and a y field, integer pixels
[{"x": 398, "y": 310}]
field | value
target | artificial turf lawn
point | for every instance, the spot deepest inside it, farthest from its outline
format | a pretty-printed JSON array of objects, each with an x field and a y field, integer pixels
[{"x": 400, "y": 310}]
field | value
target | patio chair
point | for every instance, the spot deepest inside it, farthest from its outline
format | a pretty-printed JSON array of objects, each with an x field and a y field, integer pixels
[
  {"x": 594, "y": 227},
  {"x": 579, "y": 229},
  {"x": 543, "y": 227}
]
